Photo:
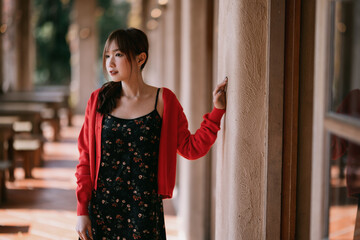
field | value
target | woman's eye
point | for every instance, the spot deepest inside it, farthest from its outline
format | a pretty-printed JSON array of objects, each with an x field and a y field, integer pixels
[
  {"x": 118, "y": 55},
  {"x": 106, "y": 56}
]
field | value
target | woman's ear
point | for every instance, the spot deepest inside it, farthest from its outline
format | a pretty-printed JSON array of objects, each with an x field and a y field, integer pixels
[{"x": 140, "y": 59}]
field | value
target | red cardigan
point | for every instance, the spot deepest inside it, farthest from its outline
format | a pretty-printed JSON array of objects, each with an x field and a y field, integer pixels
[{"x": 175, "y": 138}]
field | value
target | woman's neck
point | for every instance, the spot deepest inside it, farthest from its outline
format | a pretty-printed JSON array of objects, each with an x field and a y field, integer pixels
[{"x": 133, "y": 88}]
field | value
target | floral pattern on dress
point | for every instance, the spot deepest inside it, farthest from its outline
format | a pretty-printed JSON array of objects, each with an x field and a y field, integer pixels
[{"x": 126, "y": 204}]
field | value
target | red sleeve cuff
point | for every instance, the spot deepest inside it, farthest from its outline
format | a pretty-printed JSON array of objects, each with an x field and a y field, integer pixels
[
  {"x": 216, "y": 114},
  {"x": 82, "y": 211}
]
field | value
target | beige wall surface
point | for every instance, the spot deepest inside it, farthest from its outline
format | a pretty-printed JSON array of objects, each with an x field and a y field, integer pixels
[{"x": 242, "y": 51}]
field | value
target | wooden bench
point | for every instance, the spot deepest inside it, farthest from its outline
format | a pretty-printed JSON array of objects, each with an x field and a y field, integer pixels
[
  {"x": 6, "y": 134},
  {"x": 64, "y": 92},
  {"x": 51, "y": 104},
  {"x": 24, "y": 112},
  {"x": 27, "y": 148},
  {"x": 6, "y": 140},
  {"x": 26, "y": 141},
  {"x": 4, "y": 166}
]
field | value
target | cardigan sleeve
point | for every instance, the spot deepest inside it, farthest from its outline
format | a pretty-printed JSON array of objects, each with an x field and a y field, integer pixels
[
  {"x": 84, "y": 186},
  {"x": 194, "y": 146}
]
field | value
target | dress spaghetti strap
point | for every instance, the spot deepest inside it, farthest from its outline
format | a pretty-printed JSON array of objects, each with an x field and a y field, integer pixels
[{"x": 157, "y": 94}]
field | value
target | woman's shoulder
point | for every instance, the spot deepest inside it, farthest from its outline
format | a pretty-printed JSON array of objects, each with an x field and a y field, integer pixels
[
  {"x": 168, "y": 94},
  {"x": 164, "y": 92},
  {"x": 170, "y": 99},
  {"x": 94, "y": 95},
  {"x": 95, "y": 92}
]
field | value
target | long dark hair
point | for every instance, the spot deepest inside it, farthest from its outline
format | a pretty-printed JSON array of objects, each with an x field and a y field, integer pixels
[{"x": 130, "y": 42}]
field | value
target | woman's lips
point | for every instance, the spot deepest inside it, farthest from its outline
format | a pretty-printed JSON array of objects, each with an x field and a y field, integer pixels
[{"x": 112, "y": 73}]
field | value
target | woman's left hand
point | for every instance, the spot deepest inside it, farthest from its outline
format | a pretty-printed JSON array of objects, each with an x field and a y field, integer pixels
[{"x": 219, "y": 95}]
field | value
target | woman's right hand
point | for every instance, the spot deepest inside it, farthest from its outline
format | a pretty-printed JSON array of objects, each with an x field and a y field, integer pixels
[
  {"x": 83, "y": 227},
  {"x": 219, "y": 94}
]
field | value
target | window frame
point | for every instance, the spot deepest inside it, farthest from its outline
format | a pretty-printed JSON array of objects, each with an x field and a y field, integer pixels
[{"x": 325, "y": 122}]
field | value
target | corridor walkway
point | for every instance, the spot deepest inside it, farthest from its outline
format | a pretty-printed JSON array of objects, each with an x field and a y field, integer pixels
[{"x": 45, "y": 207}]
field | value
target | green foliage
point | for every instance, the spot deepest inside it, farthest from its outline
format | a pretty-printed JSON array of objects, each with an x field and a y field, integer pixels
[
  {"x": 52, "y": 20},
  {"x": 52, "y": 51},
  {"x": 112, "y": 14}
]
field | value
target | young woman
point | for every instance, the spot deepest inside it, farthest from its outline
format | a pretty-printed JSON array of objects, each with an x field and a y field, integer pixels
[{"x": 128, "y": 145}]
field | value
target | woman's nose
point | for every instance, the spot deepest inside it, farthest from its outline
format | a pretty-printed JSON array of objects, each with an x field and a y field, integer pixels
[{"x": 111, "y": 62}]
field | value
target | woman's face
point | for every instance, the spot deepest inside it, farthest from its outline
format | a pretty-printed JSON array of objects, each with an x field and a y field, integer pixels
[{"x": 117, "y": 65}]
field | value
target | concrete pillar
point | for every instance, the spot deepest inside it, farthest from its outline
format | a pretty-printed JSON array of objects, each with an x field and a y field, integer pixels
[
  {"x": 1, "y": 48},
  {"x": 215, "y": 148},
  {"x": 135, "y": 15},
  {"x": 241, "y": 203},
  {"x": 83, "y": 47},
  {"x": 8, "y": 36},
  {"x": 172, "y": 56},
  {"x": 163, "y": 67},
  {"x": 172, "y": 61},
  {"x": 196, "y": 99},
  {"x": 24, "y": 46},
  {"x": 153, "y": 71}
]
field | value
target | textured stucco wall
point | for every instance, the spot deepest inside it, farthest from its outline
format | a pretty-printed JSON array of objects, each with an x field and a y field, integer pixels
[
  {"x": 242, "y": 46},
  {"x": 240, "y": 31}
]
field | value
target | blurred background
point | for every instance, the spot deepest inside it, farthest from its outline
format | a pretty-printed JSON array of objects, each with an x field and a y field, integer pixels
[{"x": 285, "y": 163}]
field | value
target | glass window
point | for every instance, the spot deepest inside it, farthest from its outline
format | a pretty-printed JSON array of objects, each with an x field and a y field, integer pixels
[
  {"x": 344, "y": 190},
  {"x": 342, "y": 220},
  {"x": 345, "y": 58}
]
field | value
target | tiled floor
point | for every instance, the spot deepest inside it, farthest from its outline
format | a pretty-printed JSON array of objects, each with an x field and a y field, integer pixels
[
  {"x": 342, "y": 222},
  {"x": 342, "y": 210},
  {"x": 44, "y": 207}
]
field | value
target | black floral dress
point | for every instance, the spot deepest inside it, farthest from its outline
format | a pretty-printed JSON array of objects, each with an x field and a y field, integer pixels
[{"x": 126, "y": 204}]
